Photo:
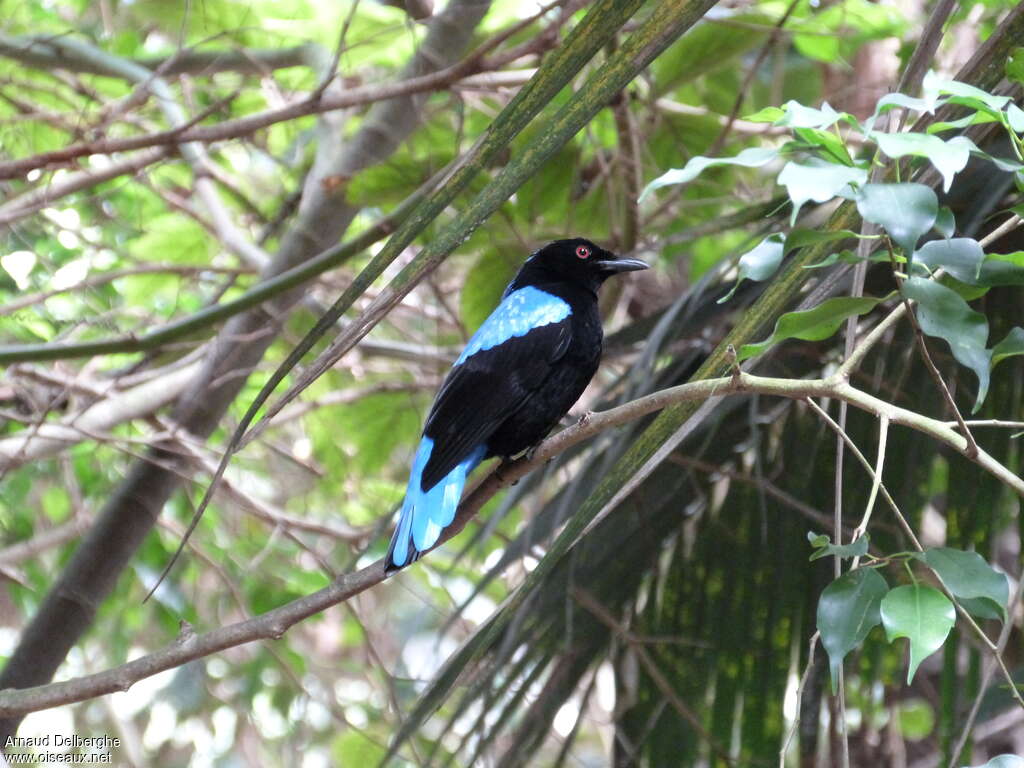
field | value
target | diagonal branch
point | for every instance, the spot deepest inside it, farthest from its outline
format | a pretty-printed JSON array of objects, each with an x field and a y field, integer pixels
[
  {"x": 274, "y": 623},
  {"x": 413, "y": 85}
]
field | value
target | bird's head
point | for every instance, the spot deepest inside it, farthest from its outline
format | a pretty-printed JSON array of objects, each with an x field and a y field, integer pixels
[{"x": 582, "y": 261}]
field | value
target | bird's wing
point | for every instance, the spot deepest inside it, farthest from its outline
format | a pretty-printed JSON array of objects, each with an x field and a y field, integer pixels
[{"x": 504, "y": 362}]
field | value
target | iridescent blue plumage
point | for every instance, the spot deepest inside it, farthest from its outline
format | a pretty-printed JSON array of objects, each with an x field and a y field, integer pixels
[
  {"x": 426, "y": 512},
  {"x": 520, "y": 312},
  {"x": 518, "y": 375}
]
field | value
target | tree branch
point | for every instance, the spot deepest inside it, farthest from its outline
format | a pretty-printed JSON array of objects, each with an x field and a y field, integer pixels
[
  {"x": 130, "y": 513},
  {"x": 315, "y": 104},
  {"x": 274, "y": 623}
]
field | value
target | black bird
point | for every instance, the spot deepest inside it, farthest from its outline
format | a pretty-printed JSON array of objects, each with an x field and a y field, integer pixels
[{"x": 518, "y": 375}]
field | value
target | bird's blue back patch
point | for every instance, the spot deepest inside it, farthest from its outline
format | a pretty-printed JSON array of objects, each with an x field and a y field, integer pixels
[{"x": 519, "y": 313}]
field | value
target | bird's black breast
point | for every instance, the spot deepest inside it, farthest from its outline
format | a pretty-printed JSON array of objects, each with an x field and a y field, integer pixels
[
  {"x": 507, "y": 396},
  {"x": 560, "y": 388}
]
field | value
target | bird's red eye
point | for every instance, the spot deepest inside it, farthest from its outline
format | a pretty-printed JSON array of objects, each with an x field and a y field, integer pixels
[{"x": 582, "y": 251}]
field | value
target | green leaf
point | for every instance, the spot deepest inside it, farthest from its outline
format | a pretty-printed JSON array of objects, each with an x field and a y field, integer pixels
[
  {"x": 942, "y": 312},
  {"x": 967, "y": 575},
  {"x": 1002, "y": 163},
  {"x": 1015, "y": 116},
  {"x": 905, "y": 211},
  {"x": 796, "y": 115},
  {"x": 982, "y": 608},
  {"x": 964, "y": 259},
  {"x": 945, "y": 222},
  {"x": 819, "y": 182},
  {"x": 798, "y": 238},
  {"x": 974, "y": 118},
  {"x": 847, "y": 610},
  {"x": 961, "y": 257},
  {"x": 818, "y": 539},
  {"x": 766, "y": 115},
  {"x": 857, "y": 548},
  {"x": 752, "y": 157},
  {"x": 759, "y": 263},
  {"x": 921, "y": 614},
  {"x": 926, "y": 104},
  {"x": 708, "y": 47},
  {"x": 821, "y": 47},
  {"x": 813, "y": 324},
  {"x": 826, "y": 141},
  {"x": 948, "y": 157},
  {"x": 1010, "y": 346},
  {"x": 965, "y": 94}
]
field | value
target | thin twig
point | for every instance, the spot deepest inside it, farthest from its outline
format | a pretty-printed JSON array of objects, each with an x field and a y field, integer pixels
[
  {"x": 243, "y": 126},
  {"x": 812, "y": 644}
]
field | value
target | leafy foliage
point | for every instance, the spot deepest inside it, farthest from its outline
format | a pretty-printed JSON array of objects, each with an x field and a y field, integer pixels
[{"x": 676, "y": 627}]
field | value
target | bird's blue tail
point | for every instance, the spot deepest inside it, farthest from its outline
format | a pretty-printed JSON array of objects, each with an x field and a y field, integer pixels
[{"x": 426, "y": 513}]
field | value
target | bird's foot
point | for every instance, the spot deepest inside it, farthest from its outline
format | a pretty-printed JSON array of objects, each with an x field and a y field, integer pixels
[
  {"x": 498, "y": 473},
  {"x": 531, "y": 452}
]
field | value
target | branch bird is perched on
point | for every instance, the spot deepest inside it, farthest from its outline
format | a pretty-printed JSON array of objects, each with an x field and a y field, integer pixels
[{"x": 518, "y": 375}]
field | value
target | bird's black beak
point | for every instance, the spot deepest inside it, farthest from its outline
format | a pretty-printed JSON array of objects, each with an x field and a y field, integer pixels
[{"x": 614, "y": 266}]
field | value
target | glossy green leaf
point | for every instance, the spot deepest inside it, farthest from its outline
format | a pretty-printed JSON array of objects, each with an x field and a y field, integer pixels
[
  {"x": 927, "y": 104},
  {"x": 967, "y": 575},
  {"x": 948, "y": 157},
  {"x": 964, "y": 259},
  {"x": 826, "y": 142},
  {"x": 813, "y": 324},
  {"x": 848, "y": 609},
  {"x": 1011, "y": 346},
  {"x": 921, "y": 614},
  {"x": 965, "y": 93},
  {"x": 942, "y": 312},
  {"x": 796, "y": 115},
  {"x": 982, "y": 608},
  {"x": 759, "y": 263},
  {"x": 945, "y": 222},
  {"x": 974, "y": 118},
  {"x": 752, "y": 157},
  {"x": 819, "y": 182},
  {"x": 1015, "y": 116},
  {"x": 905, "y": 211},
  {"x": 960, "y": 257},
  {"x": 1002, "y": 163}
]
